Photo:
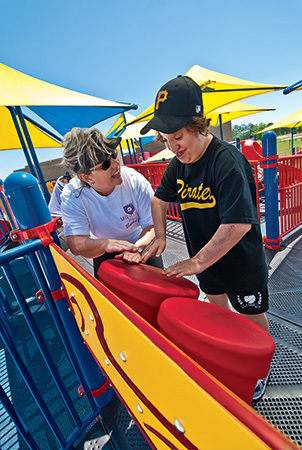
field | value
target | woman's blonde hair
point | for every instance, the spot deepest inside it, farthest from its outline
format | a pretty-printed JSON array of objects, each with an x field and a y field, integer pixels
[{"x": 84, "y": 149}]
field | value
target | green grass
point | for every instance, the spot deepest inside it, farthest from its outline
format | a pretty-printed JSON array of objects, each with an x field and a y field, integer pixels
[{"x": 284, "y": 147}]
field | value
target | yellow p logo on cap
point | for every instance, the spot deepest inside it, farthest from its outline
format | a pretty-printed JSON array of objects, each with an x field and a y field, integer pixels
[{"x": 161, "y": 98}]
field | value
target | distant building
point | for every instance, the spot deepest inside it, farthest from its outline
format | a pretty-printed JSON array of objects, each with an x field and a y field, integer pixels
[
  {"x": 51, "y": 169},
  {"x": 226, "y": 130}
]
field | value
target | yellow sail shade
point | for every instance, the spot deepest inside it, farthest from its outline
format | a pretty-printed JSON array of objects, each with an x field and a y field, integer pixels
[
  {"x": 19, "y": 89},
  {"x": 218, "y": 90},
  {"x": 233, "y": 111},
  {"x": 165, "y": 154},
  {"x": 292, "y": 121},
  {"x": 9, "y": 139}
]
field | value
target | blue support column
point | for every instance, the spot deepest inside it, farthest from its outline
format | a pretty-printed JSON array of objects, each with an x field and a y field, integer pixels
[
  {"x": 133, "y": 148},
  {"x": 33, "y": 154},
  {"x": 131, "y": 160},
  {"x": 292, "y": 135},
  {"x": 30, "y": 210},
  {"x": 238, "y": 143},
  {"x": 269, "y": 146},
  {"x": 221, "y": 127},
  {"x": 142, "y": 149},
  {"x": 22, "y": 141},
  {"x": 121, "y": 150}
]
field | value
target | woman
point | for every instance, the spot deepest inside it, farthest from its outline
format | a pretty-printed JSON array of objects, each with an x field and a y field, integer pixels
[{"x": 105, "y": 207}]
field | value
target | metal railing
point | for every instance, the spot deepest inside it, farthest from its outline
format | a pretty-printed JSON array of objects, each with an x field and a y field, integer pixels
[
  {"x": 153, "y": 172},
  {"x": 45, "y": 292},
  {"x": 290, "y": 193},
  {"x": 289, "y": 190}
]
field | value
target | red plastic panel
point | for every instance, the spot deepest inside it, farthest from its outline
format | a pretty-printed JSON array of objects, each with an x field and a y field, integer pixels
[
  {"x": 143, "y": 287},
  {"x": 252, "y": 150},
  {"x": 231, "y": 347}
]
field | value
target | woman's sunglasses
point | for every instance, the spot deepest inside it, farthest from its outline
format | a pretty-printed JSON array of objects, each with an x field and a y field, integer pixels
[{"x": 106, "y": 164}]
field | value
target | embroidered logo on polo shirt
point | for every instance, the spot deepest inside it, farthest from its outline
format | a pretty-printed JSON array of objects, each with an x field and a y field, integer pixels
[{"x": 129, "y": 209}]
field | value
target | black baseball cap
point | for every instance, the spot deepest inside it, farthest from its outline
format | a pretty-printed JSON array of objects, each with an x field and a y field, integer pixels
[{"x": 176, "y": 103}]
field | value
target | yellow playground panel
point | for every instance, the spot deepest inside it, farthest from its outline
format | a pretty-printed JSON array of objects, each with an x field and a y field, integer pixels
[{"x": 174, "y": 401}]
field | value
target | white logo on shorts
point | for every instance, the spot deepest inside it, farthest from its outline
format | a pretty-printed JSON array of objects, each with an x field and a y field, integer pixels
[{"x": 250, "y": 300}]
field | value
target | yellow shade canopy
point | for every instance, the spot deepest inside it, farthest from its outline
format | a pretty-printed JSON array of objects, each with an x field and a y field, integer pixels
[
  {"x": 218, "y": 90},
  {"x": 294, "y": 120},
  {"x": 19, "y": 89},
  {"x": 131, "y": 132},
  {"x": 120, "y": 123},
  {"x": 165, "y": 154},
  {"x": 233, "y": 111},
  {"x": 9, "y": 139}
]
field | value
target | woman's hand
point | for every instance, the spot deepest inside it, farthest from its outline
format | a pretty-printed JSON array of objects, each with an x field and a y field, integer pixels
[
  {"x": 114, "y": 245},
  {"x": 131, "y": 258}
]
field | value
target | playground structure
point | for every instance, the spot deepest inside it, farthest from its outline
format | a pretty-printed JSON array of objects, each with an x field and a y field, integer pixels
[
  {"x": 174, "y": 400},
  {"x": 157, "y": 380}
]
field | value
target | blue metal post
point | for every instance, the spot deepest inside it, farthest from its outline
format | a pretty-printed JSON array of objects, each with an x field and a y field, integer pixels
[
  {"x": 221, "y": 127},
  {"x": 131, "y": 160},
  {"x": 142, "y": 149},
  {"x": 22, "y": 141},
  {"x": 269, "y": 146},
  {"x": 238, "y": 143},
  {"x": 133, "y": 148},
  {"x": 30, "y": 210},
  {"x": 33, "y": 154},
  {"x": 121, "y": 149},
  {"x": 16, "y": 418},
  {"x": 292, "y": 134}
]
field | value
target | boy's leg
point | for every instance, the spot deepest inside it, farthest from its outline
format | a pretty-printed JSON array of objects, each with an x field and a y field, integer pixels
[
  {"x": 219, "y": 300},
  {"x": 260, "y": 319},
  {"x": 223, "y": 300}
]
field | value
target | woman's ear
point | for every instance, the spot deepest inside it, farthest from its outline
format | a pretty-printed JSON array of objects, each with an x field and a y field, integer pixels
[{"x": 85, "y": 177}]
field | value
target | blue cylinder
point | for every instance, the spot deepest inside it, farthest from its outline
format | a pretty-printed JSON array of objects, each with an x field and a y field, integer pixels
[
  {"x": 25, "y": 197},
  {"x": 269, "y": 145}
]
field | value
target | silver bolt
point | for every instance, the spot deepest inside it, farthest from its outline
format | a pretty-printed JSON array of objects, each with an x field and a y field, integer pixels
[
  {"x": 91, "y": 317},
  {"x": 106, "y": 362},
  {"x": 86, "y": 332},
  {"x": 14, "y": 236},
  {"x": 140, "y": 409},
  {"x": 72, "y": 294},
  {"x": 179, "y": 426},
  {"x": 123, "y": 357}
]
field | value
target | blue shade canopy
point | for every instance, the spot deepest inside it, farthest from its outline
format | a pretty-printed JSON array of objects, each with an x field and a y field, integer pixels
[{"x": 63, "y": 118}]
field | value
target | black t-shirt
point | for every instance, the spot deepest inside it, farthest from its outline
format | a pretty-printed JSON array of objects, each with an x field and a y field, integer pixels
[{"x": 217, "y": 189}]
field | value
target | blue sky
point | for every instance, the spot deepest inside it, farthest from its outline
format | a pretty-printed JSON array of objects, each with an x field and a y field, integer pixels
[{"x": 124, "y": 51}]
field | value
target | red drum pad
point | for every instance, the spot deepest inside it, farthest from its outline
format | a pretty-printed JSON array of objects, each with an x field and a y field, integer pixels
[
  {"x": 143, "y": 287},
  {"x": 231, "y": 347}
]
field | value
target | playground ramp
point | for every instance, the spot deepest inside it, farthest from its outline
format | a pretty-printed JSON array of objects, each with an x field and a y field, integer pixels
[{"x": 281, "y": 404}]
